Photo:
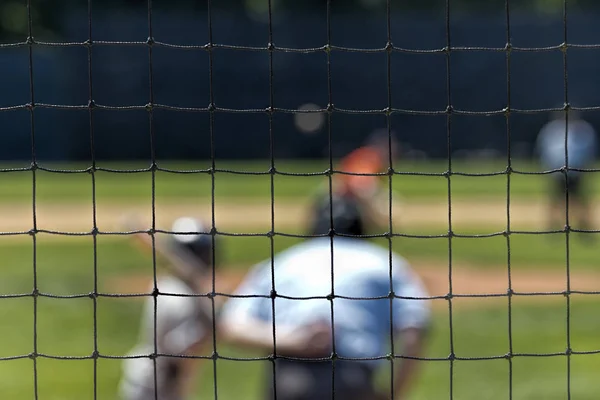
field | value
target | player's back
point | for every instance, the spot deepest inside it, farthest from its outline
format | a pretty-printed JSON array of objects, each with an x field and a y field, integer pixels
[{"x": 360, "y": 273}]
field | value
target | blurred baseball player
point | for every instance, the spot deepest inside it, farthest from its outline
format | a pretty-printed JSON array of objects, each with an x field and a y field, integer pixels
[
  {"x": 581, "y": 146},
  {"x": 369, "y": 192},
  {"x": 304, "y": 326},
  {"x": 181, "y": 327}
]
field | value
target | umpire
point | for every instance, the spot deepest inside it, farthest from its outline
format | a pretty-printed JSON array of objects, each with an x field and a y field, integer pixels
[
  {"x": 314, "y": 361},
  {"x": 581, "y": 147}
]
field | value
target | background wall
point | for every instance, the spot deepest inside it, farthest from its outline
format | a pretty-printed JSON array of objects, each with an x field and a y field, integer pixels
[{"x": 241, "y": 81}]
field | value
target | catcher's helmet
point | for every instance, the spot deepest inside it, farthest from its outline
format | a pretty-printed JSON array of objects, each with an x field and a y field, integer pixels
[
  {"x": 194, "y": 238},
  {"x": 347, "y": 216}
]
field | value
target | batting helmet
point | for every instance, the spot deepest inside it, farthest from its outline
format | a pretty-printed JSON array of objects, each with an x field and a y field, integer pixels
[
  {"x": 347, "y": 216},
  {"x": 193, "y": 238}
]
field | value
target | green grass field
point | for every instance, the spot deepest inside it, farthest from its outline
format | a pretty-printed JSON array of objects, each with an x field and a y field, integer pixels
[
  {"x": 480, "y": 327},
  {"x": 196, "y": 183}
]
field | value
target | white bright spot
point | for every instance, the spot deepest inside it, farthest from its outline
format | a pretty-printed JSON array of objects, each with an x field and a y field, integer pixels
[
  {"x": 187, "y": 224},
  {"x": 309, "y": 122}
]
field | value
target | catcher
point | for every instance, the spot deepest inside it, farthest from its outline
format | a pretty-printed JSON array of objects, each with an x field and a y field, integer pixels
[{"x": 182, "y": 325}]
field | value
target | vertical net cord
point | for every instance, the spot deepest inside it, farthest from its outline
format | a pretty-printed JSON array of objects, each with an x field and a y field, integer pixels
[
  {"x": 94, "y": 294},
  {"x": 149, "y": 109},
  {"x": 330, "y": 109},
  {"x": 211, "y": 128},
  {"x": 567, "y": 106},
  {"x": 509, "y": 169},
  {"x": 452, "y": 355},
  {"x": 34, "y": 167},
  {"x": 272, "y": 171},
  {"x": 389, "y": 48}
]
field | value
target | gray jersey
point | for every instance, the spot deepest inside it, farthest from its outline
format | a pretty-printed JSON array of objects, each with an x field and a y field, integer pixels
[{"x": 177, "y": 329}]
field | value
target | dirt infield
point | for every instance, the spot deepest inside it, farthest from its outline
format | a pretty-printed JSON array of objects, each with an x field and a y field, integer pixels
[
  {"x": 465, "y": 280},
  {"x": 253, "y": 215}
]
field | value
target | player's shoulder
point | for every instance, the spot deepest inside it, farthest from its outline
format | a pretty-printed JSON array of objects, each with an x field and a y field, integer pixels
[{"x": 360, "y": 158}]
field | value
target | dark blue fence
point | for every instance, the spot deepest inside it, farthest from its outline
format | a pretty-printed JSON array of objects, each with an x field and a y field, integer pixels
[{"x": 478, "y": 81}]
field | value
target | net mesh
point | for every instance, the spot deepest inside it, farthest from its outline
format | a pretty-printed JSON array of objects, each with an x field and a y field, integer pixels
[{"x": 330, "y": 110}]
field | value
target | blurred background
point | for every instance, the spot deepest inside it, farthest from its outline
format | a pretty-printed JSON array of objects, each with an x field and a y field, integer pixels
[
  {"x": 64, "y": 321},
  {"x": 240, "y": 80}
]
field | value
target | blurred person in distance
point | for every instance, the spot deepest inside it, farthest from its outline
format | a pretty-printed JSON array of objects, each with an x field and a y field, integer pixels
[
  {"x": 370, "y": 191},
  {"x": 581, "y": 153}
]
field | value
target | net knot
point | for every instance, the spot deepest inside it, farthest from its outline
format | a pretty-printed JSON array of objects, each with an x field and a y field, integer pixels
[
  {"x": 273, "y": 294},
  {"x": 270, "y": 47},
  {"x": 150, "y": 41},
  {"x": 330, "y": 108},
  {"x": 95, "y": 355},
  {"x": 211, "y": 107},
  {"x": 155, "y": 292},
  {"x": 389, "y": 47},
  {"x": 93, "y": 295},
  {"x": 91, "y": 104},
  {"x": 563, "y": 47},
  {"x": 30, "y": 40},
  {"x": 330, "y": 296},
  {"x": 568, "y": 351}
]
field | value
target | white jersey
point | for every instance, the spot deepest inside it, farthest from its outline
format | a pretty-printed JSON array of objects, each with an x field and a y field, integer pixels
[
  {"x": 581, "y": 144},
  {"x": 361, "y": 270},
  {"x": 177, "y": 328}
]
